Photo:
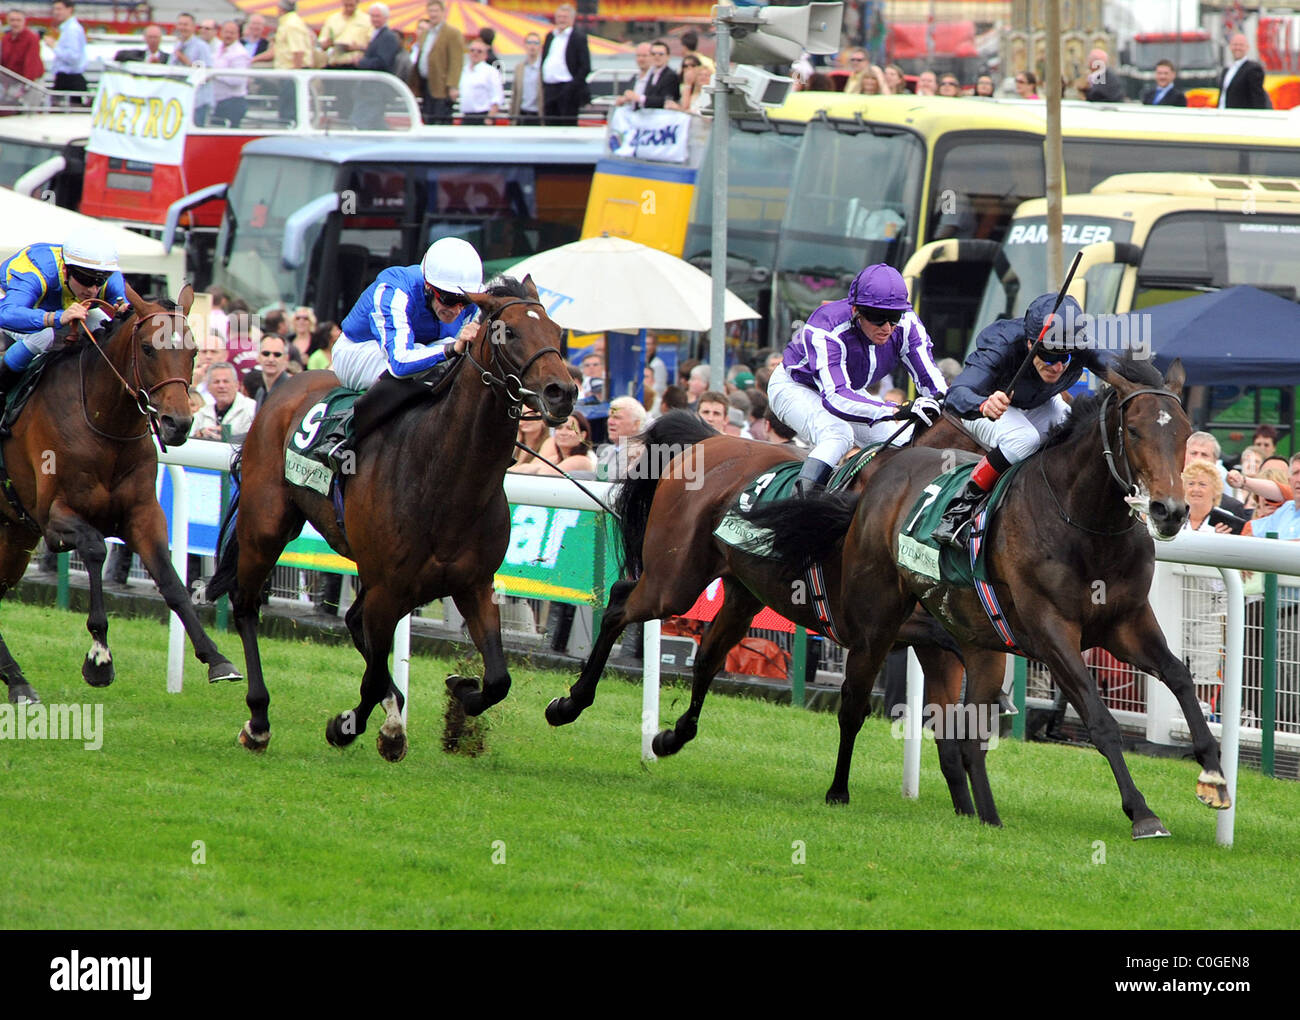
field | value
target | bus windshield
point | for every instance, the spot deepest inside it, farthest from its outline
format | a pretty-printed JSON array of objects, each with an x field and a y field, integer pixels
[
  {"x": 1026, "y": 250},
  {"x": 854, "y": 201},
  {"x": 266, "y": 191}
]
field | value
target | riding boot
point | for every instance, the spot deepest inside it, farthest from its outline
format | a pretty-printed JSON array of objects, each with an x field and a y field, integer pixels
[
  {"x": 8, "y": 376},
  {"x": 812, "y": 478},
  {"x": 960, "y": 511}
]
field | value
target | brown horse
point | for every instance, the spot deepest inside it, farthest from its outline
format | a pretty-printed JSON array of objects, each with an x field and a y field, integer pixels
[
  {"x": 424, "y": 515},
  {"x": 83, "y": 466},
  {"x": 670, "y": 555},
  {"x": 1069, "y": 565}
]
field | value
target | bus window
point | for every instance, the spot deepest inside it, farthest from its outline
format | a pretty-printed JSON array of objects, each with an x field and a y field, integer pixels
[
  {"x": 980, "y": 181},
  {"x": 1089, "y": 161},
  {"x": 854, "y": 201}
]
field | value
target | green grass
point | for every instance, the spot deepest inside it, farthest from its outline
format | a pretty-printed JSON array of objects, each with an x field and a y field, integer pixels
[{"x": 308, "y": 836}]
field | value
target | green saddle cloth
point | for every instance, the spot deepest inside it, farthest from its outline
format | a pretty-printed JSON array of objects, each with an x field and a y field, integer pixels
[
  {"x": 917, "y": 550},
  {"x": 322, "y": 427}
]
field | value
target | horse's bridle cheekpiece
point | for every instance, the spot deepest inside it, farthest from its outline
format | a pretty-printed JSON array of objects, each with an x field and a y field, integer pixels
[{"x": 513, "y": 382}]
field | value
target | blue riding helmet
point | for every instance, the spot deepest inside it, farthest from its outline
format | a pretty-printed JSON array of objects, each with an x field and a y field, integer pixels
[{"x": 1071, "y": 335}]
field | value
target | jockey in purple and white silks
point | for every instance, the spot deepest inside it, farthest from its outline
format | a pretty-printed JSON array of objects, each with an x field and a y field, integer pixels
[{"x": 820, "y": 388}]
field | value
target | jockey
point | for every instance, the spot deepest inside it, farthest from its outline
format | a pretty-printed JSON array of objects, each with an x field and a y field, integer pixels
[
  {"x": 1013, "y": 426},
  {"x": 395, "y": 323},
  {"x": 820, "y": 388},
  {"x": 42, "y": 289}
]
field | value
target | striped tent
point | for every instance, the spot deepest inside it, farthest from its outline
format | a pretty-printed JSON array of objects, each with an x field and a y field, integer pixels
[{"x": 467, "y": 16}]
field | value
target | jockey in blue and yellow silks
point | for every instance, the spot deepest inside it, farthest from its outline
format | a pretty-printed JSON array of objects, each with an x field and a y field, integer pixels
[{"x": 42, "y": 289}]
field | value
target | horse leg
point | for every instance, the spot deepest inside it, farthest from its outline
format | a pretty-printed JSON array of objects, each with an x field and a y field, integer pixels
[
  {"x": 146, "y": 534},
  {"x": 483, "y": 618},
  {"x": 562, "y": 711},
  {"x": 13, "y": 561},
  {"x": 978, "y": 723},
  {"x": 64, "y": 530},
  {"x": 1141, "y": 642},
  {"x": 732, "y": 622},
  {"x": 377, "y": 621},
  {"x": 943, "y": 674}
]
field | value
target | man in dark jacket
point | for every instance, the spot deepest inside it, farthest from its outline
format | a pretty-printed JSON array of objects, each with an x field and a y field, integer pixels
[
  {"x": 663, "y": 83},
  {"x": 1164, "y": 92},
  {"x": 1242, "y": 84},
  {"x": 1012, "y": 425},
  {"x": 565, "y": 72},
  {"x": 1101, "y": 85}
]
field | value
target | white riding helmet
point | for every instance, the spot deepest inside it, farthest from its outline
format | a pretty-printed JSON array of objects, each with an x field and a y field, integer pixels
[
  {"x": 90, "y": 249},
  {"x": 452, "y": 265}
]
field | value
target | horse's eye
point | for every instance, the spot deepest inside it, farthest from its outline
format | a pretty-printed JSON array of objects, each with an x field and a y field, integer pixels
[
  {"x": 150, "y": 349},
  {"x": 1133, "y": 433}
]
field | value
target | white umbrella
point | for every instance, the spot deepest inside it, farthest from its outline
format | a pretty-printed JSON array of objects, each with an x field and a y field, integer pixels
[{"x": 610, "y": 284}]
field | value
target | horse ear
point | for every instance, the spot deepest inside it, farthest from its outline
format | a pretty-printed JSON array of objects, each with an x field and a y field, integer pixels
[
  {"x": 1118, "y": 382},
  {"x": 138, "y": 303},
  {"x": 529, "y": 287},
  {"x": 1176, "y": 377},
  {"x": 186, "y": 299}
]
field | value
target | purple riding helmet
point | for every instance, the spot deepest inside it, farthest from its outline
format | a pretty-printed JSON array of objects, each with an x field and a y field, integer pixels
[{"x": 880, "y": 286}]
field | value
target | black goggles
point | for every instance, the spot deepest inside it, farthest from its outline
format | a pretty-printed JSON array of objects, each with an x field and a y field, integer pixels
[
  {"x": 879, "y": 317},
  {"x": 88, "y": 277},
  {"x": 448, "y": 299}
]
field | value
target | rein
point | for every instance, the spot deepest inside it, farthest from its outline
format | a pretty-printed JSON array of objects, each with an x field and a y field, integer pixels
[
  {"x": 137, "y": 393},
  {"x": 591, "y": 495},
  {"x": 513, "y": 384}
]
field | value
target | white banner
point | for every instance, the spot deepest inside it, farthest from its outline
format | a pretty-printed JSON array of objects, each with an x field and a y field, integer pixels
[
  {"x": 660, "y": 135},
  {"x": 141, "y": 117}
]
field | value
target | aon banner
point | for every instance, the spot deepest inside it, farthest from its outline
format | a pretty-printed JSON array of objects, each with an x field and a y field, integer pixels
[
  {"x": 140, "y": 117},
  {"x": 649, "y": 134}
]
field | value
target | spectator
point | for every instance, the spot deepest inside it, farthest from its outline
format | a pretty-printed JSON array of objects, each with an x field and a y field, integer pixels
[
  {"x": 272, "y": 359},
  {"x": 691, "y": 48},
  {"x": 255, "y": 40},
  {"x": 345, "y": 34},
  {"x": 70, "y": 51},
  {"x": 1276, "y": 515},
  {"x": 380, "y": 54},
  {"x": 304, "y": 336},
  {"x": 895, "y": 79},
  {"x": 230, "y": 93},
  {"x": 207, "y": 31},
  {"x": 489, "y": 35},
  {"x": 949, "y": 86},
  {"x": 713, "y": 408},
  {"x": 695, "y": 77},
  {"x": 1203, "y": 446},
  {"x": 527, "y": 97},
  {"x": 674, "y": 399},
  {"x": 778, "y": 432},
  {"x": 1203, "y": 488},
  {"x": 984, "y": 86},
  {"x": 644, "y": 65},
  {"x": 533, "y": 434},
  {"x": 819, "y": 81},
  {"x": 1100, "y": 85},
  {"x": 481, "y": 92},
  {"x": 566, "y": 64},
  {"x": 927, "y": 84},
  {"x": 664, "y": 84},
  {"x": 438, "y": 66},
  {"x": 568, "y": 447},
  {"x": 152, "y": 52},
  {"x": 859, "y": 69},
  {"x": 684, "y": 370},
  {"x": 191, "y": 51},
  {"x": 626, "y": 420},
  {"x": 322, "y": 346},
  {"x": 228, "y": 406},
  {"x": 1164, "y": 92},
  {"x": 757, "y": 416},
  {"x": 20, "y": 53},
  {"x": 210, "y": 350},
  {"x": 697, "y": 385},
  {"x": 242, "y": 335},
  {"x": 1265, "y": 439},
  {"x": 1264, "y": 486},
  {"x": 592, "y": 390},
  {"x": 1027, "y": 85},
  {"x": 655, "y": 363},
  {"x": 1241, "y": 86},
  {"x": 949, "y": 368},
  {"x": 295, "y": 43}
]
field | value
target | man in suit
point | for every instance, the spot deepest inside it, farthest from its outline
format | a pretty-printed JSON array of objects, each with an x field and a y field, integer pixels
[
  {"x": 663, "y": 83},
  {"x": 566, "y": 64},
  {"x": 1100, "y": 84},
  {"x": 380, "y": 54},
  {"x": 1242, "y": 84},
  {"x": 527, "y": 98},
  {"x": 1164, "y": 92},
  {"x": 438, "y": 65}
]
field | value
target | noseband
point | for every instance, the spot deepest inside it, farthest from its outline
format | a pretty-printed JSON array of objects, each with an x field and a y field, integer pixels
[
  {"x": 1129, "y": 487},
  {"x": 511, "y": 380}
]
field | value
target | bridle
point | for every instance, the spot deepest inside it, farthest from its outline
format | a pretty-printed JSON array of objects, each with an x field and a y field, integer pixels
[
  {"x": 138, "y": 393},
  {"x": 1129, "y": 487},
  {"x": 511, "y": 380}
]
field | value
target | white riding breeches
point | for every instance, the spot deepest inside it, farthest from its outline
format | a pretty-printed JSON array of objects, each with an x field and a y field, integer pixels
[
  {"x": 830, "y": 436},
  {"x": 1019, "y": 433},
  {"x": 358, "y": 365}
]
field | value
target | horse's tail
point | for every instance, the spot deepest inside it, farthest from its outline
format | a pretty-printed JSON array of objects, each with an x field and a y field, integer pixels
[
  {"x": 676, "y": 429},
  {"x": 805, "y": 531},
  {"x": 223, "y": 582}
]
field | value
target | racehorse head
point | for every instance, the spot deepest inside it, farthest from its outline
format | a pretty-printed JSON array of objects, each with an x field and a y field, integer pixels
[
  {"x": 518, "y": 350},
  {"x": 1151, "y": 432},
  {"x": 153, "y": 349}
]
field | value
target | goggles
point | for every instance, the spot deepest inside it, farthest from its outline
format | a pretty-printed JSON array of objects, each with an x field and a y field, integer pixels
[
  {"x": 879, "y": 317},
  {"x": 88, "y": 277}
]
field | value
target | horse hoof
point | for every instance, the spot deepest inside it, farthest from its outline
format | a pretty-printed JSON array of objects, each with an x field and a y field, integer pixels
[
  {"x": 23, "y": 694},
  {"x": 836, "y": 797},
  {"x": 391, "y": 748},
  {"x": 664, "y": 744},
  {"x": 255, "y": 742},
  {"x": 341, "y": 730},
  {"x": 558, "y": 715},
  {"x": 466, "y": 690},
  {"x": 1149, "y": 828},
  {"x": 97, "y": 667},
  {"x": 1212, "y": 791},
  {"x": 223, "y": 670}
]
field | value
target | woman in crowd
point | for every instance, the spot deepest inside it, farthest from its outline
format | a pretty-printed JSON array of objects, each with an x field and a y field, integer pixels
[
  {"x": 300, "y": 344},
  {"x": 322, "y": 345},
  {"x": 896, "y": 80},
  {"x": 1027, "y": 85},
  {"x": 533, "y": 434},
  {"x": 1203, "y": 488},
  {"x": 569, "y": 448}
]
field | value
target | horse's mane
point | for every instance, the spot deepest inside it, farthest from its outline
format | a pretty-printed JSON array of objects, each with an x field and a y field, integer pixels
[
  {"x": 507, "y": 286},
  {"x": 1085, "y": 411}
]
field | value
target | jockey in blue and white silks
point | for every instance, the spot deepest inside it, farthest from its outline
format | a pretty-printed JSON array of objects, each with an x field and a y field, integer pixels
[
  {"x": 396, "y": 325},
  {"x": 820, "y": 388},
  {"x": 42, "y": 288}
]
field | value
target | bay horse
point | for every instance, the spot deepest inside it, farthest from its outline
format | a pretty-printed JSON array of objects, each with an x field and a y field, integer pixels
[
  {"x": 83, "y": 465},
  {"x": 670, "y": 554},
  {"x": 424, "y": 516},
  {"x": 1068, "y": 562}
]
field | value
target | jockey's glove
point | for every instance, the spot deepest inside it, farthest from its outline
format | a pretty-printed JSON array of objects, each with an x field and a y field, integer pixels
[{"x": 923, "y": 410}]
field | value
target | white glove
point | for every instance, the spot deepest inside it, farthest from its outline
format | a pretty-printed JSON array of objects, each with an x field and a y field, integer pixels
[{"x": 925, "y": 411}]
